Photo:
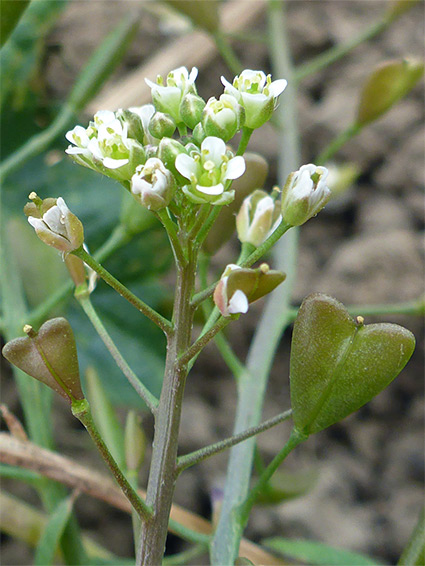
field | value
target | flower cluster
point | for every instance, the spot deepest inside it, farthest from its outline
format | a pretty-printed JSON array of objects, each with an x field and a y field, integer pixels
[{"x": 176, "y": 147}]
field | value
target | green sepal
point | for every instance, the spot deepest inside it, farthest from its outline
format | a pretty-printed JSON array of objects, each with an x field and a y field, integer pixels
[{"x": 338, "y": 364}]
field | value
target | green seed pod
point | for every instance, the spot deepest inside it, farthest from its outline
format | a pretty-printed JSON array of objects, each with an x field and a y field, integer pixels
[
  {"x": 49, "y": 355},
  {"x": 338, "y": 364},
  {"x": 388, "y": 84}
]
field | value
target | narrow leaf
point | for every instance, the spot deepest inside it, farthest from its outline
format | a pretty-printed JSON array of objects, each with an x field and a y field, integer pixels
[
  {"x": 317, "y": 553},
  {"x": 51, "y": 536}
]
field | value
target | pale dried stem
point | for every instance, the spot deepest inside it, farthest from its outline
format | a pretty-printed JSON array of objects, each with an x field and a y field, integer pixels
[{"x": 27, "y": 455}]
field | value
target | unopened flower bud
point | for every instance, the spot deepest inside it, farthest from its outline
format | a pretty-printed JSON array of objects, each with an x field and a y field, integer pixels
[
  {"x": 191, "y": 108},
  {"x": 55, "y": 224},
  {"x": 49, "y": 355},
  {"x": 198, "y": 133},
  {"x": 153, "y": 184},
  {"x": 223, "y": 117},
  {"x": 304, "y": 194},
  {"x": 167, "y": 97},
  {"x": 258, "y": 218},
  {"x": 134, "y": 124},
  {"x": 162, "y": 125},
  {"x": 168, "y": 150},
  {"x": 134, "y": 441},
  {"x": 238, "y": 287}
]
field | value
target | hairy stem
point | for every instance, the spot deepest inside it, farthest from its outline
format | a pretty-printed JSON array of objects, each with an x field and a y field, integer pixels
[
  {"x": 145, "y": 309},
  {"x": 162, "y": 474},
  {"x": 81, "y": 410}
]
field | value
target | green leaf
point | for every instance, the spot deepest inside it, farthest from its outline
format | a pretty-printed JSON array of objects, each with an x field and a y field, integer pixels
[
  {"x": 20, "y": 474},
  {"x": 11, "y": 12},
  {"x": 388, "y": 84},
  {"x": 317, "y": 553},
  {"x": 337, "y": 364},
  {"x": 414, "y": 553},
  {"x": 51, "y": 536}
]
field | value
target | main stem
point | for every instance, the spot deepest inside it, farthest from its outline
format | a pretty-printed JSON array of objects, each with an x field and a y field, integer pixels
[{"x": 162, "y": 475}]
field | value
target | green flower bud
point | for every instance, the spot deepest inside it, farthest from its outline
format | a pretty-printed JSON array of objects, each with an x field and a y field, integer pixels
[
  {"x": 162, "y": 125},
  {"x": 258, "y": 218},
  {"x": 134, "y": 441},
  {"x": 134, "y": 124},
  {"x": 223, "y": 117},
  {"x": 199, "y": 134},
  {"x": 389, "y": 83},
  {"x": 191, "y": 108},
  {"x": 238, "y": 287},
  {"x": 168, "y": 150},
  {"x": 304, "y": 194},
  {"x": 49, "y": 355}
]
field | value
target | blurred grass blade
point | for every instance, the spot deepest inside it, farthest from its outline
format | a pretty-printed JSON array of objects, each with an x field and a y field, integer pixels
[
  {"x": 26, "y": 523},
  {"x": 21, "y": 56},
  {"x": 102, "y": 63},
  {"x": 105, "y": 417},
  {"x": 97, "y": 70},
  {"x": 10, "y": 14},
  {"x": 20, "y": 474},
  {"x": 414, "y": 553},
  {"x": 49, "y": 540},
  {"x": 309, "y": 552}
]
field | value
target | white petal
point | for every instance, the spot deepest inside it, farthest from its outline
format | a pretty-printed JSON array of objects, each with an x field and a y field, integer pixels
[
  {"x": 215, "y": 149},
  {"x": 238, "y": 303},
  {"x": 94, "y": 149},
  {"x": 72, "y": 150},
  {"x": 138, "y": 185},
  {"x": 277, "y": 87},
  {"x": 150, "y": 83},
  {"x": 235, "y": 168},
  {"x": 213, "y": 191},
  {"x": 53, "y": 219},
  {"x": 104, "y": 116},
  {"x": 186, "y": 165},
  {"x": 193, "y": 75},
  {"x": 110, "y": 163},
  {"x": 37, "y": 223}
]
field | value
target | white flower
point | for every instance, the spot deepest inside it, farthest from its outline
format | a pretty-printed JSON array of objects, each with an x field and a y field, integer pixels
[
  {"x": 304, "y": 194},
  {"x": 167, "y": 97},
  {"x": 153, "y": 185},
  {"x": 208, "y": 171},
  {"x": 258, "y": 218},
  {"x": 256, "y": 93},
  {"x": 237, "y": 303},
  {"x": 57, "y": 227}
]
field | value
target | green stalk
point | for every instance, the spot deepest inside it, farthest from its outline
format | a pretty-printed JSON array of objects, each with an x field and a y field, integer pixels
[
  {"x": 252, "y": 384},
  {"x": 294, "y": 440},
  {"x": 337, "y": 143},
  {"x": 86, "y": 304},
  {"x": 226, "y": 51},
  {"x": 81, "y": 411},
  {"x": 333, "y": 54},
  {"x": 193, "y": 458},
  {"x": 140, "y": 305},
  {"x": 35, "y": 398},
  {"x": 118, "y": 238},
  {"x": 162, "y": 475}
]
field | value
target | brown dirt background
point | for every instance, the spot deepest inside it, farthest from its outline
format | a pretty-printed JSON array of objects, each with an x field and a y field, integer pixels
[{"x": 366, "y": 248}]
